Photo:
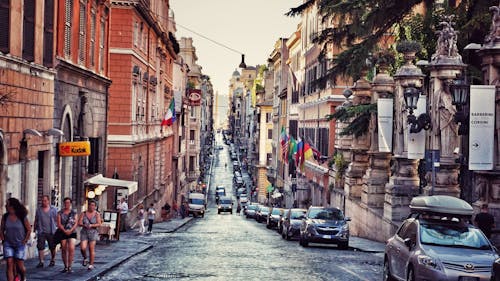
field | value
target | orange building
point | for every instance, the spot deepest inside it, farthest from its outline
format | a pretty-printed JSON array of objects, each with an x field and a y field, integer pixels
[{"x": 142, "y": 53}]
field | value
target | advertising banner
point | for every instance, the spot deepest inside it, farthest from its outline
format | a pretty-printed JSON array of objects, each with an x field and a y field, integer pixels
[
  {"x": 385, "y": 124},
  {"x": 481, "y": 127},
  {"x": 416, "y": 142},
  {"x": 75, "y": 148}
]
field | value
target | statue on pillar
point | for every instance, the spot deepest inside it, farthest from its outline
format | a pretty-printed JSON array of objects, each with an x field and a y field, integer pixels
[
  {"x": 494, "y": 34},
  {"x": 447, "y": 127},
  {"x": 447, "y": 41}
]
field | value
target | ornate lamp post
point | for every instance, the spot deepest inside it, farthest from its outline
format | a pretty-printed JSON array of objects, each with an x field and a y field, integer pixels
[
  {"x": 459, "y": 98},
  {"x": 411, "y": 94}
]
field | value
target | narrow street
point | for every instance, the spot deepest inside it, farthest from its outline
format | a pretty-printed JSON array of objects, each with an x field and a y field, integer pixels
[{"x": 230, "y": 247}]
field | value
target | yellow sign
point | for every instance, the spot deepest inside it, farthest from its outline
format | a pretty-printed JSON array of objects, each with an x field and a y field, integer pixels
[{"x": 74, "y": 148}]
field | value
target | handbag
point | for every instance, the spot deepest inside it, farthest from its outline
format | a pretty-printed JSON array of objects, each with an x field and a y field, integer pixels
[{"x": 58, "y": 236}]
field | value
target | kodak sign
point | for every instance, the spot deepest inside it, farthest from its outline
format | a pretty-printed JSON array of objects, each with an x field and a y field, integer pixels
[{"x": 75, "y": 148}]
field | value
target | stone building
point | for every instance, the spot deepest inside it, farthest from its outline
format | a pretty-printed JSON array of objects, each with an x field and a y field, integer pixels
[
  {"x": 142, "y": 54},
  {"x": 27, "y": 135},
  {"x": 81, "y": 92}
]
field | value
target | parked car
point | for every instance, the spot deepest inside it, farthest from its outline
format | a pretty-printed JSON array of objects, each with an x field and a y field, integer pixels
[
  {"x": 237, "y": 174},
  {"x": 225, "y": 205},
  {"x": 495, "y": 271},
  {"x": 292, "y": 222},
  {"x": 325, "y": 225},
  {"x": 219, "y": 191},
  {"x": 282, "y": 220},
  {"x": 238, "y": 182},
  {"x": 236, "y": 166},
  {"x": 262, "y": 213},
  {"x": 274, "y": 217},
  {"x": 250, "y": 211},
  {"x": 437, "y": 242}
]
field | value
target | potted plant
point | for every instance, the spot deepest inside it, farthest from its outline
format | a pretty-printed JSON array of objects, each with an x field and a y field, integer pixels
[{"x": 409, "y": 49}]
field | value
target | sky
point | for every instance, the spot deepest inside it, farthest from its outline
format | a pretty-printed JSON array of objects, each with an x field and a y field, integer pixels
[{"x": 248, "y": 26}]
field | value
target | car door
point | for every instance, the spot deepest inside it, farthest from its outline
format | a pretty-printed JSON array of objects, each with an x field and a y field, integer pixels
[
  {"x": 406, "y": 251},
  {"x": 394, "y": 251}
]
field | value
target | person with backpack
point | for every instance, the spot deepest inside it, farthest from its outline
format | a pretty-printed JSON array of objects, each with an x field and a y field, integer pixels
[
  {"x": 66, "y": 233},
  {"x": 15, "y": 233}
]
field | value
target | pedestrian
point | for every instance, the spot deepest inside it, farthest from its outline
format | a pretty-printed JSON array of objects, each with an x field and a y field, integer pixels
[
  {"x": 485, "y": 221},
  {"x": 45, "y": 226},
  {"x": 183, "y": 210},
  {"x": 90, "y": 220},
  {"x": 151, "y": 217},
  {"x": 123, "y": 208},
  {"x": 66, "y": 224},
  {"x": 15, "y": 233},
  {"x": 238, "y": 209},
  {"x": 176, "y": 209},
  {"x": 165, "y": 211},
  {"x": 141, "y": 217}
]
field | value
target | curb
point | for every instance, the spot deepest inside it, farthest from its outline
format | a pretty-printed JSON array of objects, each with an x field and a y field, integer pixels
[
  {"x": 114, "y": 265},
  {"x": 357, "y": 249},
  {"x": 177, "y": 228}
]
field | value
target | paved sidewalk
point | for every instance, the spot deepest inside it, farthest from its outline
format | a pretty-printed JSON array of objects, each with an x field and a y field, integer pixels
[
  {"x": 108, "y": 256},
  {"x": 366, "y": 245}
]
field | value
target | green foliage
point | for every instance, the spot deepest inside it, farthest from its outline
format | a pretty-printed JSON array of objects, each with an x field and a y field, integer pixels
[
  {"x": 340, "y": 164},
  {"x": 358, "y": 117},
  {"x": 358, "y": 31},
  {"x": 259, "y": 88},
  {"x": 407, "y": 46}
]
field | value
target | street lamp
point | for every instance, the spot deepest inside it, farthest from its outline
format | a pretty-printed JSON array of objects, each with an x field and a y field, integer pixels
[
  {"x": 459, "y": 88},
  {"x": 242, "y": 63},
  {"x": 411, "y": 94}
]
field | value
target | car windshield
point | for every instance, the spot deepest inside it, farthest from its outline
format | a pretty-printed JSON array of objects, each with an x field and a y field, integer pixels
[
  {"x": 227, "y": 201},
  {"x": 326, "y": 214},
  {"x": 220, "y": 192},
  {"x": 297, "y": 215},
  {"x": 264, "y": 209},
  {"x": 276, "y": 212},
  {"x": 452, "y": 235},
  {"x": 196, "y": 201}
]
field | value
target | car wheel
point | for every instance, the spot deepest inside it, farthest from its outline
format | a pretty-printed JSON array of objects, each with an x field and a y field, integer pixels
[
  {"x": 387, "y": 271},
  {"x": 268, "y": 226},
  {"x": 344, "y": 245},
  {"x": 411, "y": 275}
]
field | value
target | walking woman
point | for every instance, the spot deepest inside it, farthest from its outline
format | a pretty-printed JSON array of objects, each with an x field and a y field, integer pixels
[
  {"x": 151, "y": 217},
  {"x": 66, "y": 224},
  {"x": 141, "y": 217},
  {"x": 90, "y": 220},
  {"x": 15, "y": 233}
]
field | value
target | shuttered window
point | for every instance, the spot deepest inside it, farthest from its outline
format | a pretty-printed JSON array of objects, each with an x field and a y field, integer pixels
[
  {"x": 29, "y": 30},
  {"x": 324, "y": 140},
  {"x": 102, "y": 42},
  {"x": 93, "y": 166},
  {"x": 82, "y": 32},
  {"x": 92, "y": 35},
  {"x": 294, "y": 124},
  {"x": 4, "y": 26},
  {"x": 48, "y": 33},
  {"x": 68, "y": 15}
]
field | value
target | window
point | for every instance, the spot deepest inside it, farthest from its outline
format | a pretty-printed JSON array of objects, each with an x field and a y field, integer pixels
[
  {"x": 29, "y": 30},
  {"x": 294, "y": 124},
  {"x": 191, "y": 135},
  {"x": 93, "y": 167},
  {"x": 92, "y": 35},
  {"x": 102, "y": 41},
  {"x": 268, "y": 117},
  {"x": 136, "y": 33},
  {"x": 82, "y": 31},
  {"x": 48, "y": 33},
  {"x": 68, "y": 15},
  {"x": 192, "y": 159},
  {"x": 270, "y": 134},
  {"x": 4, "y": 25},
  {"x": 323, "y": 140}
]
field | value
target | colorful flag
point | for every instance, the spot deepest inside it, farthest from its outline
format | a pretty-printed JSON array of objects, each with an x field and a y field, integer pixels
[
  {"x": 292, "y": 148},
  {"x": 170, "y": 115},
  {"x": 298, "y": 156},
  {"x": 270, "y": 188},
  {"x": 284, "y": 144},
  {"x": 308, "y": 153}
]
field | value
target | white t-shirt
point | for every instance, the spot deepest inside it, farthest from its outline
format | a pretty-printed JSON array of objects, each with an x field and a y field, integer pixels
[
  {"x": 123, "y": 207},
  {"x": 151, "y": 214}
]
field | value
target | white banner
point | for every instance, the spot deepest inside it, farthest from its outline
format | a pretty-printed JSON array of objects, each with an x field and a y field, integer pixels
[
  {"x": 384, "y": 123},
  {"x": 482, "y": 127},
  {"x": 416, "y": 142}
]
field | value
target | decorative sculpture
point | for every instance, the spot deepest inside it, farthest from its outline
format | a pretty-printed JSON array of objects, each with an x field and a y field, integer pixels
[
  {"x": 447, "y": 41},
  {"x": 494, "y": 34}
]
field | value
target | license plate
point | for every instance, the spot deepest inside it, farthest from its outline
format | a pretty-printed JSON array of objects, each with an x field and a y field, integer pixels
[
  {"x": 327, "y": 236},
  {"x": 467, "y": 278}
]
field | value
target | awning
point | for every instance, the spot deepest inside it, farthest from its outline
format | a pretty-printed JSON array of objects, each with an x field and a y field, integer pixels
[{"x": 100, "y": 180}]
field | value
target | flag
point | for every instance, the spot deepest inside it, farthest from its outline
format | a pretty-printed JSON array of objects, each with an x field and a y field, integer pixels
[
  {"x": 292, "y": 148},
  {"x": 300, "y": 147},
  {"x": 284, "y": 144},
  {"x": 316, "y": 153},
  {"x": 308, "y": 153},
  {"x": 170, "y": 115},
  {"x": 269, "y": 188}
]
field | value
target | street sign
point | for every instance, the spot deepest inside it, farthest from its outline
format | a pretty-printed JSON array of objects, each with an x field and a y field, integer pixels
[{"x": 74, "y": 148}]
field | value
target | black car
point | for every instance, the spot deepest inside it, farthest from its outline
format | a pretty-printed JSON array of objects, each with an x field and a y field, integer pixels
[
  {"x": 251, "y": 211},
  {"x": 292, "y": 222},
  {"x": 262, "y": 213},
  {"x": 281, "y": 221},
  {"x": 325, "y": 225},
  {"x": 274, "y": 217}
]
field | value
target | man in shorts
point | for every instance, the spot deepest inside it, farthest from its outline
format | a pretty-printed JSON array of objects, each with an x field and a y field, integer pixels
[{"x": 45, "y": 227}]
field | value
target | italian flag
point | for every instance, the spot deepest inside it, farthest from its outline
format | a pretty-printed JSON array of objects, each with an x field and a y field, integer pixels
[{"x": 170, "y": 115}]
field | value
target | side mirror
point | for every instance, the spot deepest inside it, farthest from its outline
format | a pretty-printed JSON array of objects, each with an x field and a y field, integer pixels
[
  {"x": 408, "y": 243},
  {"x": 347, "y": 219}
]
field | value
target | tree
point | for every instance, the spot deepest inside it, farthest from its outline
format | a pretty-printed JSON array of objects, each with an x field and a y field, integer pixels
[{"x": 359, "y": 30}]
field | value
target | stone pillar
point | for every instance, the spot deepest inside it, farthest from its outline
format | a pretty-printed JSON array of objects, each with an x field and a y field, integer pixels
[
  {"x": 487, "y": 183},
  {"x": 446, "y": 63},
  {"x": 360, "y": 145},
  {"x": 377, "y": 174},
  {"x": 403, "y": 182}
]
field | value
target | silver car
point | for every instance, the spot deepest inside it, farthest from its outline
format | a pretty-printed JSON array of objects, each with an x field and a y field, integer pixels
[{"x": 438, "y": 246}]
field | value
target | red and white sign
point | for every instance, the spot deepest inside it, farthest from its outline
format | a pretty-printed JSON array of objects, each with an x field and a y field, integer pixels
[{"x": 194, "y": 97}]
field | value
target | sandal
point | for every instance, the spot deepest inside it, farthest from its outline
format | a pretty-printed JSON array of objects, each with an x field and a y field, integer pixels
[
  {"x": 52, "y": 263},
  {"x": 70, "y": 270},
  {"x": 91, "y": 267},
  {"x": 39, "y": 265},
  {"x": 64, "y": 270},
  {"x": 85, "y": 262}
]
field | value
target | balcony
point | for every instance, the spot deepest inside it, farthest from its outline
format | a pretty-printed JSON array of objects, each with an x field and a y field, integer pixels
[{"x": 192, "y": 176}]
